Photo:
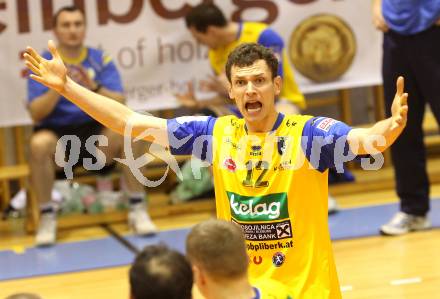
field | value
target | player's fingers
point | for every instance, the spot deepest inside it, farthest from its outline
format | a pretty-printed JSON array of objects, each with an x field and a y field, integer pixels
[
  {"x": 31, "y": 51},
  {"x": 37, "y": 78},
  {"x": 53, "y": 49},
  {"x": 399, "y": 85},
  {"x": 404, "y": 111},
  {"x": 30, "y": 59},
  {"x": 33, "y": 68},
  {"x": 212, "y": 78},
  {"x": 203, "y": 83},
  {"x": 404, "y": 99}
]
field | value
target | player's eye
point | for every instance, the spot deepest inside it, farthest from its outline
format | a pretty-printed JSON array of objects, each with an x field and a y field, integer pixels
[
  {"x": 260, "y": 80},
  {"x": 239, "y": 82}
]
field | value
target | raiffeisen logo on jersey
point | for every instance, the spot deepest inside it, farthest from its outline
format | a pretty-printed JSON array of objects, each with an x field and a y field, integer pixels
[{"x": 258, "y": 208}]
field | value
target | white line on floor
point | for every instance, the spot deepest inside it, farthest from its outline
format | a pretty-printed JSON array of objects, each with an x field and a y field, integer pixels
[{"x": 397, "y": 282}]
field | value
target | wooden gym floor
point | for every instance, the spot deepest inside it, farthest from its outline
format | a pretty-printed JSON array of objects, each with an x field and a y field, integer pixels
[{"x": 374, "y": 267}]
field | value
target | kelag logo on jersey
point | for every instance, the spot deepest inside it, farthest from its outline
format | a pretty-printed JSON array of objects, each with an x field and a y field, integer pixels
[{"x": 258, "y": 208}]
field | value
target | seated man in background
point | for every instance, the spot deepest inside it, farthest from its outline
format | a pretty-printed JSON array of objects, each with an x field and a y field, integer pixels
[
  {"x": 217, "y": 252},
  {"x": 160, "y": 273},
  {"x": 209, "y": 26},
  {"x": 54, "y": 117}
]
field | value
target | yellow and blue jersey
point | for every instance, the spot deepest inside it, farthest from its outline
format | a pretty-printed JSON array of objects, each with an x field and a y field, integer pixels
[
  {"x": 274, "y": 185},
  {"x": 270, "y": 289},
  {"x": 253, "y": 32},
  {"x": 99, "y": 67}
]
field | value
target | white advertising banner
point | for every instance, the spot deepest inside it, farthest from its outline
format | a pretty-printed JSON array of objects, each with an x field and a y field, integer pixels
[{"x": 157, "y": 56}]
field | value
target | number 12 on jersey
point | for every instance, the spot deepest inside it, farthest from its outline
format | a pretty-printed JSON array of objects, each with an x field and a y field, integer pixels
[{"x": 251, "y": 168}]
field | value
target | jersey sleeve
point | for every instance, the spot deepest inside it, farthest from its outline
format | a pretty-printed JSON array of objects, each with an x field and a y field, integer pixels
[
  {"x": 109, "y": 76},
  {"x": 270, "y": 39},
  {"x": 191, "y": 135},
  {"x": 324, "y": 142}
]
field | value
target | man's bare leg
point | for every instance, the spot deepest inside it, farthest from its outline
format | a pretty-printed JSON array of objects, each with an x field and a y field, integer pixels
[{"x": 42, "y": 150}]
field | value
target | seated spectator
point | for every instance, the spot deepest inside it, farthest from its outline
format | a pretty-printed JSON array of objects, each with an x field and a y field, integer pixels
[{"x": 54, "y": 117}]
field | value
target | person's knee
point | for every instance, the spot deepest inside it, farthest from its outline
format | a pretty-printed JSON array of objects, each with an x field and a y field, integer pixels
[
  {"x": 42, "y": 145},
  {"x": 110, "y": 145}
]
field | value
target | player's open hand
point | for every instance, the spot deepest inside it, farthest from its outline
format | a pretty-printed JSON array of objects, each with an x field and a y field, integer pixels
[
  {"x": 218, "y": 84},
  {"x": 80, "y": 75},
  {"x": 51, "y": 73},
  {"x": 188, "y": 99},
  {"x": 399, "y": 108}
]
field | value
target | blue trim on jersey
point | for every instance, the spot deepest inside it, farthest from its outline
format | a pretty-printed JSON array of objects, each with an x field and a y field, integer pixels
[
  {"x": 65, "y": 112},
  {"x": 277, "y": 123},
  {"x": 189, "y": 132},
  {"x": 240, "y": 29},
  {"x": 257, "y": 293},
  {"x": 324, "y": 141},
  {"x": 270, "y": 39},
  {"x": 408, "y": 16}
]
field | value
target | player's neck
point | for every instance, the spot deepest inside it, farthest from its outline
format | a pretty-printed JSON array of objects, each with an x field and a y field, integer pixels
[
  {"x": 236, "y": 289},
  {"x": 264, "y": 125},
  {"x": 70, "y": 52}
]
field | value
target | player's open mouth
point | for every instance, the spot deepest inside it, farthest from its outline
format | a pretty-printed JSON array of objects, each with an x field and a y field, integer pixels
[{"x": 253, "y": 107}]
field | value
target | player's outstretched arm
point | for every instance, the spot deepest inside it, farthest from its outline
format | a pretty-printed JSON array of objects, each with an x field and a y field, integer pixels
[
  {"x": 382, "y": 134},
  {"x": 53, "y": 74}
]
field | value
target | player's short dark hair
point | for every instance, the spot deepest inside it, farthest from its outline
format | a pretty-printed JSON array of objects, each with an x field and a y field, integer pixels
[
  {"x": 246, "y": 54},
  {"x": 70, "y": 8},
  {"x": 161, "y": 273},
  {"x": 204, "y": 15},
  {"x": 219, "y": 248}
]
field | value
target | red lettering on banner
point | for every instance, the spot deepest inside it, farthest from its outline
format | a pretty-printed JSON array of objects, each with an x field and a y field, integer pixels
[
  {"x": 302, "y": 1},
  {"x": 105, "y": 15},
  {"x": 23, "y": 16},
  {"x": 270, "y": 7},
  {"x": 2, "y": 25},
  {"x": 46, "y": 11},
  {"x": 165, "y": 13},
  {"x": 306, "y": 1}
]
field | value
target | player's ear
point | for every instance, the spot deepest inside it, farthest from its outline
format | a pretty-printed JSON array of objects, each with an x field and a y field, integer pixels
[
  {"x": 278, "y": 83},
  {"x": 198, "y": 275},
  {"x": 230, "y": 93}
]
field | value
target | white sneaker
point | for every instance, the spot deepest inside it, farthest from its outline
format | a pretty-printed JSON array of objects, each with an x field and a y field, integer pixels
[
  {"x": 140, "y": 221},
  {"x": 332, "y": 205},
  {"x": 47, "y": 230},
  {"x": 403, "y": 223}
]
